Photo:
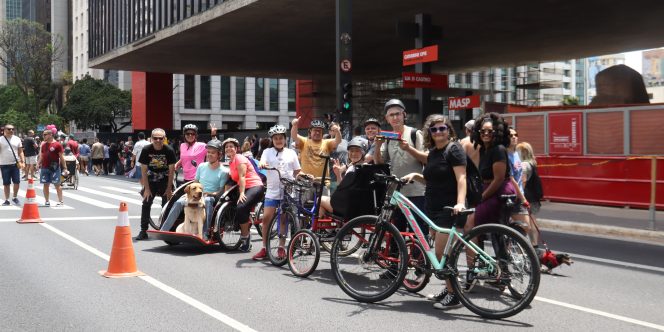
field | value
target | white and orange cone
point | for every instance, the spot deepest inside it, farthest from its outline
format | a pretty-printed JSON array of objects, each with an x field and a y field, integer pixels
[
  {"x": 123, "y": 261},
  {"x": 30, "y": 214}
]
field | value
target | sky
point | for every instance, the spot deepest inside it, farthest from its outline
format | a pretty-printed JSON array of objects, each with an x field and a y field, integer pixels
[{"x": 633, "y": 60}]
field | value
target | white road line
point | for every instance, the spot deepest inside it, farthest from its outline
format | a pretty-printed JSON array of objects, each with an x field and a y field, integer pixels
[
  {"x": 10, "y": 208},
  {"x": 121, "y": 190},
  {"x": 619, "y": 263},
  {"x": 156, "y": 283},
  {"x": 601, "y": 313},
  {"x": 118, "y": 197},
  {"x": 83, "y": 199},
  {"x": 76, "y": 218},
  {"x": 41, "y": 200}
]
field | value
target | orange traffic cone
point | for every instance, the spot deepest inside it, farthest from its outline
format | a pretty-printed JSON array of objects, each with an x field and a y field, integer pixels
[
  {"x": 30, "y": 212},
  {"x": 123, "y": 262}
]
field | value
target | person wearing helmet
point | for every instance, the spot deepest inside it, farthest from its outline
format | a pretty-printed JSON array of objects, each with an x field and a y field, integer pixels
[
  {"x": 356, "y": 151},
  {"x": 192, "y": 153},
  {"x": 312, "y": 147},
  {"x": 250, "y": 187},
  {"x": 213, "y": 176},
  {"x": 405, "y": 156},
  {"x": 371, "y": 130},
  {"x": 285, "y": 160}
]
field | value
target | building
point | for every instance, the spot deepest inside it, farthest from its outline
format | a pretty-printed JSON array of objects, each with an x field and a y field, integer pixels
[
  {"x": 653, "y": 67},
  {"x": 9, "y": 10}
]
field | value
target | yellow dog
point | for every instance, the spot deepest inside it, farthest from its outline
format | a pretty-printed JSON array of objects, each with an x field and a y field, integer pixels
[{"x": 194, "y": 211}]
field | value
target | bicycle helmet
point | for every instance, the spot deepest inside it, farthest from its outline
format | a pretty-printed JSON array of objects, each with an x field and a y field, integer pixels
[
  {"x": 215, "y": 143},
  {"x": 277, "y": 129},
  {"x": 357, "y": 142},
  {"x": 230, "y": 140},
  {"x": 372, "y": 121},
  {"x": 190, "y": 126},
  {"x": 394, "y": 102},
  {"x": 317, "y": 124}
]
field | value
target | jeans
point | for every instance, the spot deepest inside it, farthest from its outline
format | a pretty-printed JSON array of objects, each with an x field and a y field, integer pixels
[{"x": 177, "y": 208}]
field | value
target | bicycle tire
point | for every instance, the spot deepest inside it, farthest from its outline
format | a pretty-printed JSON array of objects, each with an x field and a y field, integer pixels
[
  {"x": 273, "y": 242},
  {"x": 487, "y": 288},
  {"x": 419, "y": 267},
  {"x": 348, "y": 248},
  {"x": 301, "y": 248},
  {"x": 229, "y": 231},
  {"x": 257, "y": 218},
  {"x": 385, "y": 270}
]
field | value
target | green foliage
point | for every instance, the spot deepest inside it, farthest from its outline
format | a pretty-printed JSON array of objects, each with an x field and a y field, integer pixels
[
  {"x": 47, "y": 119},
  {"x": 570, "y": 101},
  {"x": 16, "y": 107},
  {"x": 92, "y": 103}
]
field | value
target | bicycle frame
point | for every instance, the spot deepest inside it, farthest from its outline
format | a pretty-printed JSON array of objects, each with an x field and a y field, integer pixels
[{"x": 407, "y": 208}]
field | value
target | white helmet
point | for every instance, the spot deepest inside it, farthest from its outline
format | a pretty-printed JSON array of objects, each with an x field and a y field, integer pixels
[
  {"x": 277, "y": 129},
  {"x": 190, "y": 126},
  {"x": 317, "y": 124}
]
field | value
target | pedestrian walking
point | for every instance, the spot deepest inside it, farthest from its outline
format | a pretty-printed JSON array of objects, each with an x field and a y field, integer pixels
[
  {"x": 135, "y": 157},
  {"x": 107, "y": 158},
  {"x": 157, "y": 162},
  {"x": 84, "y": 156},
  {"x": 12, "y": 160},
  {"x": 52, "y": 165},
  {"x": 532, "y": 185},
  {"x": 30, "y": 149},
  {"x": 97, "y": 153}
]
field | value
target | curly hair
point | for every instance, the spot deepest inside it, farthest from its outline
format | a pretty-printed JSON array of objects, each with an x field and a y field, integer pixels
[
  {"x": 501, "y": 133},
  {"x": 434, "y": 118}
]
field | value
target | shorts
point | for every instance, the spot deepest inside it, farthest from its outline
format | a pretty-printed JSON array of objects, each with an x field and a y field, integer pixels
[
  {"x": 269, "y": 202},
  {"x": 32, "y": 160},
  {"x": 97, "y": 162},
  {"x": 445, "y": 219},
  {"x": 10, "y": 174},
  {"x": 48, "y": 176},
  {"x": 518, "y": 208},
  {"x": 84, "y": 158},
  {"x": 489, "y": 210}
]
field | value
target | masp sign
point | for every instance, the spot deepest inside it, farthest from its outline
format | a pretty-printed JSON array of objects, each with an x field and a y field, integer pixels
[
  {"x": 420, "y": 55},
  {"x": 461, "y": 103},
  {"x": 417, "y": 80}
]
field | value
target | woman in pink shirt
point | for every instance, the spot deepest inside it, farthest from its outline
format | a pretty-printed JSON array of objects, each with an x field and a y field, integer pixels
[
  {"x": 250, "y": 187},
  {"x": 192, "y": 153}
]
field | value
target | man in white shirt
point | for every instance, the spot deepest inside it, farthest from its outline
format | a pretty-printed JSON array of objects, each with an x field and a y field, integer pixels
[
  {"x": 11, "y": 161},
  {"x": 136, "y": 154}
]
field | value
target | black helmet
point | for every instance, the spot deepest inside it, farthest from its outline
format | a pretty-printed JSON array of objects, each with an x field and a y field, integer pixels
[
  {"x": 394, "y": 102},
  {"x": 372, "y": 121},
  {"x": 215, "y": 143}
]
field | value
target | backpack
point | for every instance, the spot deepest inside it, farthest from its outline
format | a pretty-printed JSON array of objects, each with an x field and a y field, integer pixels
[
  {"x": 533, "y": 189},
  {"x": 473, "y": 179},
  {"x": 258, "y": 171}
]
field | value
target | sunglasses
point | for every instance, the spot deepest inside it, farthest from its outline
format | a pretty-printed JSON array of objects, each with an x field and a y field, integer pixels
[
  {"x": 10, "y": 129},
  {"x": 440, "y": 129},
  {"x": 486, "y": 131},
  {"x": 157, "y": 138},
  {"x": 514, "y": 135}
]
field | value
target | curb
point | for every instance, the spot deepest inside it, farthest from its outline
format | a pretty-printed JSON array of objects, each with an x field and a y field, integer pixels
[{"x": 621, "y": 233}]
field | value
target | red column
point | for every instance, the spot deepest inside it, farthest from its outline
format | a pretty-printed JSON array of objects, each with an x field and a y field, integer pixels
[{"x": 152, "y": 100}]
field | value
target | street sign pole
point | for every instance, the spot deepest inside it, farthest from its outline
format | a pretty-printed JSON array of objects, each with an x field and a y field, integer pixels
[
  {"x": 423, "y": 96},
  {"x": 344, "y": 42}
]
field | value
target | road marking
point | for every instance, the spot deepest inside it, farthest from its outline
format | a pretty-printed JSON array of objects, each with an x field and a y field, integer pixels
[
  {"x": 76, "y": 218},
  {"x": 619, "y": 263},
  {"x": 118, "y": 197},
  {"x": 41, "y": 201},
  {"x": 158, "y": 284},
  {"x": 601, "y": 313},
  {"x": 10, "y": 208},
  {"x": 84, "y": 199},
  {"x": 121, "y": 190}
]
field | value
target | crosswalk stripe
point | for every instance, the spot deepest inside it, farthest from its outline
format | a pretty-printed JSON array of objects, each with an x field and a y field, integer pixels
[
  {"x": 41, "y": 201},
  {"x": 126, "y": 191},
  {"x": 84, "y": 199},
  {"x": 155, "y": 205},
  {"x": 9, "y": 208}
]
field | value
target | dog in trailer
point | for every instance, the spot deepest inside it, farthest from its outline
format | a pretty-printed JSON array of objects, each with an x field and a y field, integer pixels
[{"x": 194, "y": 211}]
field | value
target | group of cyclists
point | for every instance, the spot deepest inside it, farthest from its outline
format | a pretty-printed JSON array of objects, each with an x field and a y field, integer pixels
[{"x": 433, "y": 161}]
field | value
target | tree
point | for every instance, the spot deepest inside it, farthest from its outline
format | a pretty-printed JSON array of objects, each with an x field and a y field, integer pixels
[
  {"x": 570, "y": 101},
  {"x": 15, "y": 108},
  {"x": 27, "y": 51},
  {"x": 92, "y": 103}
]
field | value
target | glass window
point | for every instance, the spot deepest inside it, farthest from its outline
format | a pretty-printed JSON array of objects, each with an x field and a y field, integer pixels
[
  {"x": 225, "y": 92},
  {"x": 274, "y": 94},
  {"x": 240, "y": 93},
  {"x": 189, "y": 91},
  {"x": 205, "y": 92},
  {"x": 291, "y": 95},
  {"x": 260, "y": 94}
]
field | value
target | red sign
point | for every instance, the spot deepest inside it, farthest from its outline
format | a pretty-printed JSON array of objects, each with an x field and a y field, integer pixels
[
  {"x": 346, "y": 65},
  {"x": 426, "y": 54},
  {"x": 565, "y": 133},
  {"x": 462, "y": 103},
  {"x": 431, "y": 81}
]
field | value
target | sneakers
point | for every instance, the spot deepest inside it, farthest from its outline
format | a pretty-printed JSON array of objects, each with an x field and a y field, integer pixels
[
  {"x": 142, "y": 235},
  {"x": 281, "y": 253},
  {"x": 246, "y": 244},
  {"x": 438, "y": 296},
  {"x": 260, "y": 255},
  {"x": 15, "y": 201},
  {"x": 6, "y": 203},
  {"x": 47, "y": 204},
  {"x": 450, "y": 300},
  {"x": 60, "y": 204}
]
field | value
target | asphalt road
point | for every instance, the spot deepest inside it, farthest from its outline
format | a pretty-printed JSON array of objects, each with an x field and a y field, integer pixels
[{"x": 49, "y": 282}]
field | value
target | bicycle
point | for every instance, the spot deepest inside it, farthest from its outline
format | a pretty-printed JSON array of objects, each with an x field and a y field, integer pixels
[{"x": 479, "y": 273}]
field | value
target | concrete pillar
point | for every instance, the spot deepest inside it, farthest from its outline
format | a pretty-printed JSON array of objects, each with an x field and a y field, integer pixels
[{"x": 152, "y": 101}]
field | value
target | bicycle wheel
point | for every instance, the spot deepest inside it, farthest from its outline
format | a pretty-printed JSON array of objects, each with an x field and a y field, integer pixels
[
  {"x": 377, "y": 269},
  {"x": 349, "y": 245},
  {"x": 282, "y": 228},
  {"x": 303, "y": 253},
  {"x": 229, "y": 230},
  {"x": 419, "y": 267},
  {"x": 481, "y": 286},
  {"x": 257, "y": 218}
]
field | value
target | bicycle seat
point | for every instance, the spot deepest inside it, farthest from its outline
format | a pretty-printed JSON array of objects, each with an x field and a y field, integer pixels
[{"x": 506, "y": 197}]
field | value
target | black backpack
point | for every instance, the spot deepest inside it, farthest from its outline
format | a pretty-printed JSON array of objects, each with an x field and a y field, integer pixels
[
  {"x": 473, "y": 180},
  {"x": 533, "y": 189}
]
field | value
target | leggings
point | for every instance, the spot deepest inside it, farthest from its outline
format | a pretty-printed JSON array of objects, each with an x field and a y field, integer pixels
[{"x": 254, "y": 195}]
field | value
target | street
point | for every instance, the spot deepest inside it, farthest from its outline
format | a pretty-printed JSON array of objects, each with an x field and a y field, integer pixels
[{"x": 49, "y": 280}]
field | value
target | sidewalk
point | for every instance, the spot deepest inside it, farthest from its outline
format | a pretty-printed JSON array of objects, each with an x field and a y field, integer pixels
[{"x": 591, "y": 220}]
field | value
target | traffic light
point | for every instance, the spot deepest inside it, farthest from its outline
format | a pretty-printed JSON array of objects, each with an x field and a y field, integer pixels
[{"x": 347, "y": 95}]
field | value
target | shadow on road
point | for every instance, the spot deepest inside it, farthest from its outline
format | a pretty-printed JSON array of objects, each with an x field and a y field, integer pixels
[{"x": 186, "y": 250}]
